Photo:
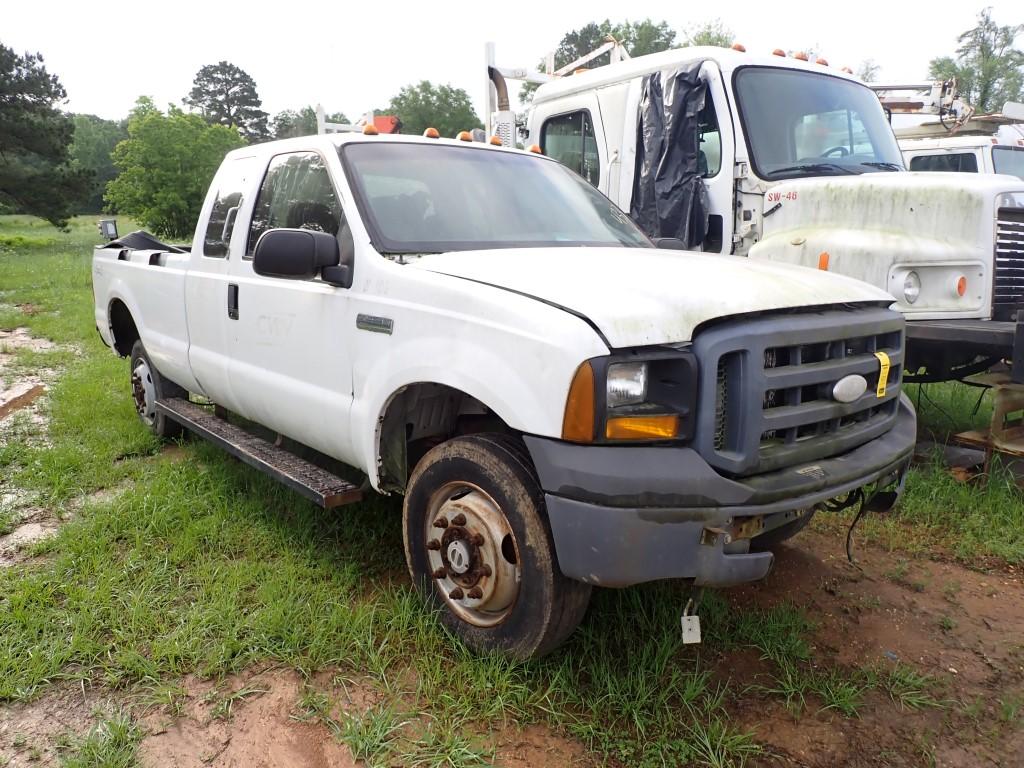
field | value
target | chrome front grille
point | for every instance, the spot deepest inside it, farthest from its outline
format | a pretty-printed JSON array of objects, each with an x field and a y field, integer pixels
[
  {"x": 1008, "y": 287},
  {"x": 773, "y": 383}
]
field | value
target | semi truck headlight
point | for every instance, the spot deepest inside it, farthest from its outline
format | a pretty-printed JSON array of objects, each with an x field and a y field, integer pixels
[
  {"x": 627, "y": 384},
  {"x": 911, "y": 287}
]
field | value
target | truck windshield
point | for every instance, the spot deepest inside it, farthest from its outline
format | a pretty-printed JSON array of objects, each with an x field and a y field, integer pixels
[
  {"x": 805, "y": 124},
  {"x": 424, "y": 198},
  {"x": 1008, "y": 160}
]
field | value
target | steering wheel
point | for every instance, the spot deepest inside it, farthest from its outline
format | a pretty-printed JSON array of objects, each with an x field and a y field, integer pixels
[{"x": 843, "y": 152}]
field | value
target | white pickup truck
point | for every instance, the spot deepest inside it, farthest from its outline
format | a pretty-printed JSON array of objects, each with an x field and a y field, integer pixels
[{"x": 561, "y": 403}]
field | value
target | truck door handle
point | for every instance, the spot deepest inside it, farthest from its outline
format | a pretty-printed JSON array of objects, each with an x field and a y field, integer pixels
[{"x": 233, "y": 301}]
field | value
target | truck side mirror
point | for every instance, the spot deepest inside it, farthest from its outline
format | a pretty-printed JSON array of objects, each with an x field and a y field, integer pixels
[
  {"x": 671, "y": 243},
  {"x": 298, "y": 254}
]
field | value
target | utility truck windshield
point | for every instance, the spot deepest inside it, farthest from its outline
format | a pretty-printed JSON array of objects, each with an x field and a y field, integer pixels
[
  {"x": 805, "y": 124},
  {"x": 428, "y": 199}
]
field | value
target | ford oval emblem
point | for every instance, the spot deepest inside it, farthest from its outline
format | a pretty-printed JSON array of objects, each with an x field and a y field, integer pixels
[{"x": 849, "y": 388}]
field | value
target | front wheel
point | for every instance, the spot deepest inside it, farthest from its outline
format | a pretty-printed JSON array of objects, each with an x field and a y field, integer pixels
[
  {"x": 148, "y": 386},
  {"x": 479, "y": 547}
]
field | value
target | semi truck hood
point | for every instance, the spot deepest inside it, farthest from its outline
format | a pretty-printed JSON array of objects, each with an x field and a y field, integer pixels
[
  {"x": 878, "y": 226},
  {"x": 640, "y": 296}
]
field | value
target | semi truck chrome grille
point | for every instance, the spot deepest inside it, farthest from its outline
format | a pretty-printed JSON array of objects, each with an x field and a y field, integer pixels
[
  {"x": 1008, "y": 286},
  {"x": 773, "y": 379}
]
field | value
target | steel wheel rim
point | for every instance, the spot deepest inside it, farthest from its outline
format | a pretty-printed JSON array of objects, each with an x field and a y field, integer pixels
[
  {"x": 144, "y": 392},
  {"x": 472, "y": 554}
]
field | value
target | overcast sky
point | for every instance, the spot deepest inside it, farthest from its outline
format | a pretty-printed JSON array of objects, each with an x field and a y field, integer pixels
[{"x": 353, "y": 56}]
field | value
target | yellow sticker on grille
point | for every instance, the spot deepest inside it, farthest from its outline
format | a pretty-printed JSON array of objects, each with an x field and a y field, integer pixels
[{"x": 883, "y": 373}]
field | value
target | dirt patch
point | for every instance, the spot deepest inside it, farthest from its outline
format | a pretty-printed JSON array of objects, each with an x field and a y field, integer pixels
[
  {"x": 963, "y": 628},
  {"x": 20, "y": 338},
  {"x": 537, "y": 747},
  {"x": 31, "y": 732},
  {"x": 12, "y": 545}
]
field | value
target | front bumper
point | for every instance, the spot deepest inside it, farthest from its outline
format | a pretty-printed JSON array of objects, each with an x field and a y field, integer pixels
[{"x": 623, "y": 515}]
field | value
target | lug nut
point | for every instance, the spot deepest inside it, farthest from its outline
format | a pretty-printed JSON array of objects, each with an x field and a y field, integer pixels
[
  {"x": 459, "y": 519},
  {"x": 433, "y": 544},
  {"x": 440, "y": 573},
  {"x": 441, "y": 522},
  {"x": 456, "y": 594},
  {"x": 476, "y": 593},
  {"x": 485, "y": 569},
  {"x": 478, "y": 539}
]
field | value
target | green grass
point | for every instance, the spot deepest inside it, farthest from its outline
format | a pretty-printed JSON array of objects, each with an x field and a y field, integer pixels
[
  {"x": 201, "y": 565},
  {"x": 111, "y": 743}
]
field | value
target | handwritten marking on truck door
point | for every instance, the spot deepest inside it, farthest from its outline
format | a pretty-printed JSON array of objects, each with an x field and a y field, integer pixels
[
  {"x": 883, "y": 373},
  {"x": 774, "y": 197}
]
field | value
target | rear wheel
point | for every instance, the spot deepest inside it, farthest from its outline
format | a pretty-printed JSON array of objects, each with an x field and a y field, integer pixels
[
  {"x": 148, "y": 386},
  {"x": 479, "y": 547}
]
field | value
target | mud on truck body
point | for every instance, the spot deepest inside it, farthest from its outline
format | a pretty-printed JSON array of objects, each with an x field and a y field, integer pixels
[
  {"x": 784, "y": 160},
  {"x": 561, "y": 404}
]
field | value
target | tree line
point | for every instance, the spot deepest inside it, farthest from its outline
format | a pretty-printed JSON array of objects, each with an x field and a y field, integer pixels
[{"x": 155, "y": 164}]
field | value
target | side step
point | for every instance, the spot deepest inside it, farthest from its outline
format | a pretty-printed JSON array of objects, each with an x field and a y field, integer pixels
[{"x": 316, "y": 484}]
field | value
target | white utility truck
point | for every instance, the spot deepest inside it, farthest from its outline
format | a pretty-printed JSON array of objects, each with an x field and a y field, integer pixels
[
  {"x": 561, "y": 403},
  {"x": 964, "y": 154},
  {"x": 787, "y": 160}
]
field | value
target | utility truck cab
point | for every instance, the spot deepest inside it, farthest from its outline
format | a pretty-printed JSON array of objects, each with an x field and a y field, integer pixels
[
  {"x": 965, "y": 154},
  {"x": 784, "y": 160}
]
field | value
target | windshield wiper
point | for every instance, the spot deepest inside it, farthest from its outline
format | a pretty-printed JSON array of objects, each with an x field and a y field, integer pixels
[
  {"x": 884, "y": 165},
  {"x": 815, "y": 168}
]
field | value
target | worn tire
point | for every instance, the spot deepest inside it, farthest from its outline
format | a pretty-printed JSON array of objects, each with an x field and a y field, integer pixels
[
  {"x": 547, "y": 606},
  {"x": 773, "y": 538},
  {"x": 156, "y": 385}
]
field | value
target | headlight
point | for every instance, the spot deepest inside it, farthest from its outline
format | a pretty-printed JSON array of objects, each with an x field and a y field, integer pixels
[
  {"x": 911, "y": 287},
  {"x": 627, "y": 384}
]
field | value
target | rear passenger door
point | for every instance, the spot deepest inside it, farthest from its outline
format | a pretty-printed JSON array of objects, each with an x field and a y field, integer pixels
[{"x": 290, "y": 366}]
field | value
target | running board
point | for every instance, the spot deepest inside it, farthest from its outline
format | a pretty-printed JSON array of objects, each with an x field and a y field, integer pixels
[{"x": 315, "y": 483}]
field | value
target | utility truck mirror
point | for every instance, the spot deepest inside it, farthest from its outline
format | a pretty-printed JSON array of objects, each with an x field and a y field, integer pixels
[
  {"x": 298, "y": 254},
  {"x": 1014, "y": 110},
  {"x": 670, "y": 243}
]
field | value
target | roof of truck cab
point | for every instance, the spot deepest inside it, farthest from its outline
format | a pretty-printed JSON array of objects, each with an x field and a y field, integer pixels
[
  {"x": 337, "y": 139},
  {"x": 948, "y": 142},
  {"x": 726, "y": 58}
]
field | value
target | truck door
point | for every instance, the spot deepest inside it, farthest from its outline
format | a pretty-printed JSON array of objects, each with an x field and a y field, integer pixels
[
  {"x": 290, "y": 363},
  {"x": 574, "y": 136},
  {"x": 717, "y": 157},
  {"x": 208, "y": 279}
]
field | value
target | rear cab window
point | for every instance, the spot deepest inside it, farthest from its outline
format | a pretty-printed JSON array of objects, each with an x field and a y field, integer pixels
[
  {"x": 948, "y": 162},
  {"x": 231, "y": 184}
]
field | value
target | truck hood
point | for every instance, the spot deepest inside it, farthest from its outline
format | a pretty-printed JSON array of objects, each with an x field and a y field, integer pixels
[
  {"x": 641, "y": 296},
  {"x": 878, "y": 226}
]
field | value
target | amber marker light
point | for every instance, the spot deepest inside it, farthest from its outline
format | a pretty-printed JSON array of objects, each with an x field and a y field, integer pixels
[
  {"x": 464, "y": 136},
  {"x": 369, "y": 130},
  {"x": 961, "y": 285},
  {"x": 642, "y": 427},
  {"x": 431, "y": 133},
  {"x": 779, "y": 52},
  {"x": 823, "y": 258},
  {"x": 822, "y": 61},
  {"x": 800, "y": 56},
  {"x": 535, "y": 149},
  {"x": 739, "y": 47},
  {"x": 496, "y": 141},
  {"x": 578, "y": 423}
]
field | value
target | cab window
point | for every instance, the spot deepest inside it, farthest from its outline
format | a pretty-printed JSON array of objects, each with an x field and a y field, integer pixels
[
  {"x": 955, "y": 162},
  {"x": 709, "y": 157},
  {"x": 570, "y": 140},
  {"x": 296, "y": 194},
  {"x": 232, "y": 181},
  {"x": 1009, "y": 160}
]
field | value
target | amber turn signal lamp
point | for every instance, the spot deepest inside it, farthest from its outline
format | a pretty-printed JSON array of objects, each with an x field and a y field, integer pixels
[
  {"x": 535, "y": 149},
  {"x": 823, "y": 258},
  {"x": 578, "y": 423},
  {"x": 431, "y": 133},
  {"x": 642, "y": 427},
  {"x": 800, "y": 56},
  {"x": 739, "y": 47},
  {"x": 464, "y": 136},
  {"x": 961, "y": 286},
  {"x": 496, "y": 141},
  {"x": 820, "y": 60},
  {"x": 779, "y": 52},
  {"x": 369, "y": 130}
]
